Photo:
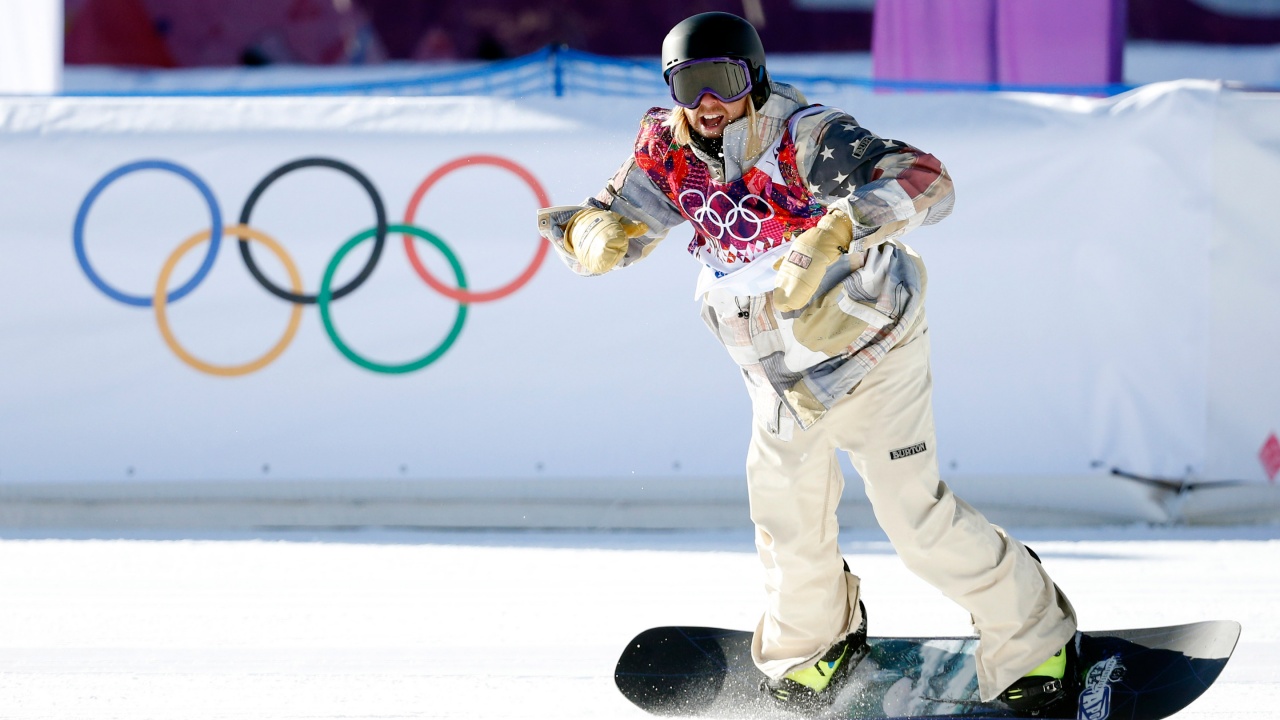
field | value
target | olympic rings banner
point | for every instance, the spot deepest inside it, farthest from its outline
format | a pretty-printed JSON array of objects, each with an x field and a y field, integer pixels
[
  {"x": 208, "y": 289},
  {"x": 326, "y": 295},
  {"x": 332, "y": 289}
]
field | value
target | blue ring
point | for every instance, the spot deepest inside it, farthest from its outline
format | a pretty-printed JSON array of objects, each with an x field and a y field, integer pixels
[{"x": 83, "y": 214}]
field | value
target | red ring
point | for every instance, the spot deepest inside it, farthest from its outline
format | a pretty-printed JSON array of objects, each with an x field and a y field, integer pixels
[{"x": 458, "y": 294}]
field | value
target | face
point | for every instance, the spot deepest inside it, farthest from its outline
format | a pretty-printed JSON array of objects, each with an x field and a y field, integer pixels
[{"x": 713, "y": 114}]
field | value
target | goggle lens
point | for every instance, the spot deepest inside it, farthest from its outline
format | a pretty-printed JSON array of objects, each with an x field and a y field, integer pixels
[{"x": 727, "y": 78}]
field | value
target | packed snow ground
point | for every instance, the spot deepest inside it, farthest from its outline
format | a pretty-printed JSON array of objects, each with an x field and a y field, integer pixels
[{"x": 513, "y": 625}]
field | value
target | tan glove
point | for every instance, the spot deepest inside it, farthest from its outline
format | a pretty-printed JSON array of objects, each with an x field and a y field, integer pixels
[
  {"x": 599, "y": 238},
  {"x": 811, "y": 253}
]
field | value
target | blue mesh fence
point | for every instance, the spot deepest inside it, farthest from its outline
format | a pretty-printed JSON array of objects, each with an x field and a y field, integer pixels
[{"x": 560, "y": 72}]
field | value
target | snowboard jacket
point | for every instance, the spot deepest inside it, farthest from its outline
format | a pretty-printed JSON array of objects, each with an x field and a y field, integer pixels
[{"x": 779, "y": 173}]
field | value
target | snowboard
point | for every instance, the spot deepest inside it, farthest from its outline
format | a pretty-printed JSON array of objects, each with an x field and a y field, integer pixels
[{"x": 1132, "y": 674}]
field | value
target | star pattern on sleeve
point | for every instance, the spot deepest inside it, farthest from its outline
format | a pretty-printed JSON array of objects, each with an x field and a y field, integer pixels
[{"x": 846, "y": 157}]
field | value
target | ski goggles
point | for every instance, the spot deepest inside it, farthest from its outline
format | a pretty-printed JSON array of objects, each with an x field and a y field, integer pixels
[{"x": 727, "y": 78}]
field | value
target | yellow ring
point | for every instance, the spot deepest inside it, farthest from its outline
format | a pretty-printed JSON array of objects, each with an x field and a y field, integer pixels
[{"x": 160, "y": 302}]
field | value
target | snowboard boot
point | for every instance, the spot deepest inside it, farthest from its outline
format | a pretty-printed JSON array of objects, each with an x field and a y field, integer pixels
[
  {"x": 812, "y": 688},
  {"x": 1044, "y": 685}
]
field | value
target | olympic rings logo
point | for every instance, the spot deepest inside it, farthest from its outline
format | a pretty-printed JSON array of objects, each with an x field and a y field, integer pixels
[
  {"x": 719, "y": 214},
  {"x": 326, "y": 294}
]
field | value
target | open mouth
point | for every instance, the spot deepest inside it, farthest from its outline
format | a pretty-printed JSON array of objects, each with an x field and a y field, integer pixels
[{"x": 711, "y": 123}]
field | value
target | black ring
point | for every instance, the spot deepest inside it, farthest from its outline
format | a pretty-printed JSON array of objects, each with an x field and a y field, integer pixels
[{"x": 379, "y": 239}]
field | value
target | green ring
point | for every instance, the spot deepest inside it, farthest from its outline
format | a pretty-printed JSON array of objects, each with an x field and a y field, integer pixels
[{"x": 325, "y": 296}]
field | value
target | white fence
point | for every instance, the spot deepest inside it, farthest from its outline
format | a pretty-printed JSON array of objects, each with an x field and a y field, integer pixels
[{"x": 1102, "y": 298}]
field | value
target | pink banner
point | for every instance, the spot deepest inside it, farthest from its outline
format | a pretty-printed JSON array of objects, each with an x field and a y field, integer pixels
[{"x": 1060, "y": 42}]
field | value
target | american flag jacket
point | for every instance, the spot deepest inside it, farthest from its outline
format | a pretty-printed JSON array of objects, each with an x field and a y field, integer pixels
[{"x": 780, "y": 172}]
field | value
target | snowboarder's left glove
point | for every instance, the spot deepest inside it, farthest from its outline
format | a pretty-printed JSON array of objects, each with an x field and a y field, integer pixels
[
  {"x": 807, "y": 260},
  {"x": 599, "y": 238}
]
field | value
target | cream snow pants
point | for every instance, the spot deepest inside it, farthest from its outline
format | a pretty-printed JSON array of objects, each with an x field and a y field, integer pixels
[{"x": 795, "y": 483}]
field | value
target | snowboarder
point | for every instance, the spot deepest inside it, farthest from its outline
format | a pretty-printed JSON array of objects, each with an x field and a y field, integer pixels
[{"x": 798, "y": 215}]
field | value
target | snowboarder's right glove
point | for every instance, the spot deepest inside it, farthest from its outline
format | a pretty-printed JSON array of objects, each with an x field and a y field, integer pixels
[
  {"x": 807, "y": 260},
  {"x": 599, "y": 238}
]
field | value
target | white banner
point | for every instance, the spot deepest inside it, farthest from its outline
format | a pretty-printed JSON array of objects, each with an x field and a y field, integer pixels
[
  {"x": 1071, "y": 292},
  {"x": 1243, "y": 334},
  {"x": 30, "y": 46}
]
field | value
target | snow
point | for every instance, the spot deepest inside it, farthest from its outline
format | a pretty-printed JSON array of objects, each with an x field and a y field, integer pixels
[{"x": 404, "y": 624}]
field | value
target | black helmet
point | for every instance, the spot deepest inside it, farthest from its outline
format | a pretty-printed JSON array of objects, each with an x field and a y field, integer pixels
[{"x": 717, "y": 34}]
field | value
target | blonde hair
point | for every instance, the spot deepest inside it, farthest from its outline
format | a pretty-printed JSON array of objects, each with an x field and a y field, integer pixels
[{"x": 678, "y": 122}]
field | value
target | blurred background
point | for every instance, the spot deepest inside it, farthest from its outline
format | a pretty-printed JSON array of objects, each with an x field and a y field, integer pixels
[
  {"x": 116, "y": 46},
  {"x": 191, "y": 33}
]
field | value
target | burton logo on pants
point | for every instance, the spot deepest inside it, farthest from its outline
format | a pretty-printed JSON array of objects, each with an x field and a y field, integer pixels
[{"x": 906, "y": 451}]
